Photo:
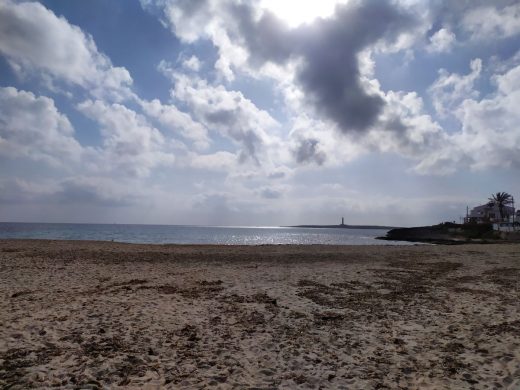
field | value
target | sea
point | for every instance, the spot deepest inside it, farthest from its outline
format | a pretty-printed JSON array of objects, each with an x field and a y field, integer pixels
[{"x": 177, "y": 234}]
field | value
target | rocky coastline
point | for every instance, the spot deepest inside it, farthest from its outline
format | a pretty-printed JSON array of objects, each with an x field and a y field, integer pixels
[{"x": 452, "y": 234}]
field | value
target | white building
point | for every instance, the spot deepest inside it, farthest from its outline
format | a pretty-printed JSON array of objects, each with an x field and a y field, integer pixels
[
  {"x": 490, "y": 212},
  {"x": 506, "y": 226}
]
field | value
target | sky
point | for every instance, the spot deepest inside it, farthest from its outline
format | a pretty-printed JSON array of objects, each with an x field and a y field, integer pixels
[{"x": 257, "y": 112}]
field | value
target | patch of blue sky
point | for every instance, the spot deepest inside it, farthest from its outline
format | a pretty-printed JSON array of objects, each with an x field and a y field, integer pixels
[
  {"x": 7, "y": 76},
  {"x": 129, "y": 36}
]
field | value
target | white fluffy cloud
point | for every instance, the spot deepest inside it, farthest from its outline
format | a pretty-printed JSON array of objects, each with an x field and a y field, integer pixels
[
  {"x": 229, "y": 113},
  {"x": 130, "y": 144},
  {"x": 177, "y": 122},
  {"x": 450, "y": 89},
  {"x": 33, "y": 128},
  {"x": 218, "y": 161},
  {"x": 489, "y": 136},
  {"x": 315, "y": 143},
  {"x": 193, "y": 63},
  {"x": 491, "y": 22},
  {"x": 34, "y": 39},
  {"x": 419, "y": 133},
  {"x": 442, "y": 41}
]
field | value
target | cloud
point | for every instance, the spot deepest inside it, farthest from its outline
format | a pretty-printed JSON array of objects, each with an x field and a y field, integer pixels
[
  {"x": 330, "y": 73},
  {"x": 228, "y": 112},
  {"x": 218, "y": 161},
  {"x": 326, "y": 51},
  {"x": 95, "y": 191},
  {"x": 16, "y": 191},
  {"x": 308, "y": 150},
  {"x": 328, "y": 62},
  {"x": 277, "y": 175},
  {"x": 34, "y": 39},
  {"x": 232, "y": 208},
  {"x": 85, "y": 190},
  {"x": 177, "y": 122},
  {"x": 313, "y": 143},
  {"x": 192, "y": 63},
  {"x": 490, "y": 133},
  {"x": 450, "y": 89},
  {"x": 419, "y": 133},
  {"x": 131, "y": 145},
  {"x": 270, "y": 193},
  {"x": 442, "y": 41},
  {"x": 188, "y": 17},
  {"x": 325, "y": 70},
  {"x": 219, "y": 208},
  {"x": 33, "y": 128},
  {"x": 489, "y": 136},
  {"x": 491, "y": 22}
]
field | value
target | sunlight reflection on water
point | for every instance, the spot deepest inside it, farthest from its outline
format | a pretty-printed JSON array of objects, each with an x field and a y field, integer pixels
[{"x": 174, "y": 234}]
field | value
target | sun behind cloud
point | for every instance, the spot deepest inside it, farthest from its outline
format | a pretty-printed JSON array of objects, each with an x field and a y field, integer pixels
[{"x": 295, "y": 13}]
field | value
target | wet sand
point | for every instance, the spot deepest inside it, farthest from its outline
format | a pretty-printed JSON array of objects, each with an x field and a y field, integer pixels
[{"x": 108, "y": 315}]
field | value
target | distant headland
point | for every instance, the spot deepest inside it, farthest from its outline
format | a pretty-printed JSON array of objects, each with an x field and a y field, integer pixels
[{"x": 343, "y": 226}]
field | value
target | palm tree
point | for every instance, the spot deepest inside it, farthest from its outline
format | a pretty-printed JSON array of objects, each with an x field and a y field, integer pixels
[{"x": 501, "y": 199}]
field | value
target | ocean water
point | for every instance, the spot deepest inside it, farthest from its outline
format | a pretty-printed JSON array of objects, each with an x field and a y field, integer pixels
[{"x": 175, "y": 234}]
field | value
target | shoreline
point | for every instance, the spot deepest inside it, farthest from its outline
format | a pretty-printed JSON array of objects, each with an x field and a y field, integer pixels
[
  {"x": 104, "y": 314},
  {"x": 89, "y": 241},
  {"x": 194, "y": 235}
]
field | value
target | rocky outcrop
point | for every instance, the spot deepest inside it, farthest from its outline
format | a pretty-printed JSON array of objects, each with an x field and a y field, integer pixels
[{"x": 445, "y": 233}]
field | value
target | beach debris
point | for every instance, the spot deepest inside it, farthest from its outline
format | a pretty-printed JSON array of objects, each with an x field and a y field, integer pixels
[{"x": 20, "y": 293}]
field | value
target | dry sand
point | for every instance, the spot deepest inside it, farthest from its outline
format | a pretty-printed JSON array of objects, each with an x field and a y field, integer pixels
[{"x": 107, "y": 315}]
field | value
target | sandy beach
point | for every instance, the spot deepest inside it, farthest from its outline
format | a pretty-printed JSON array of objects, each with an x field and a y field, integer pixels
[{"x": 106, "y": 315}]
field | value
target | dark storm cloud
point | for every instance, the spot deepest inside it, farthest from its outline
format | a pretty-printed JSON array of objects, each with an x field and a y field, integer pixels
[
  {"x": 329, "y": 75},
  {"x": 308, "y": 151}
]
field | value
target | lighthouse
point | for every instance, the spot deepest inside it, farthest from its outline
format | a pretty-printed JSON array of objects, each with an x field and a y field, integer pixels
[{"x": 342, "y": 221}]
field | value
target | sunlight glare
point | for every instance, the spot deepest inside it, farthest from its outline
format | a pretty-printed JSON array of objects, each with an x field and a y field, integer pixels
[{"x": 296, "y": 12}]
